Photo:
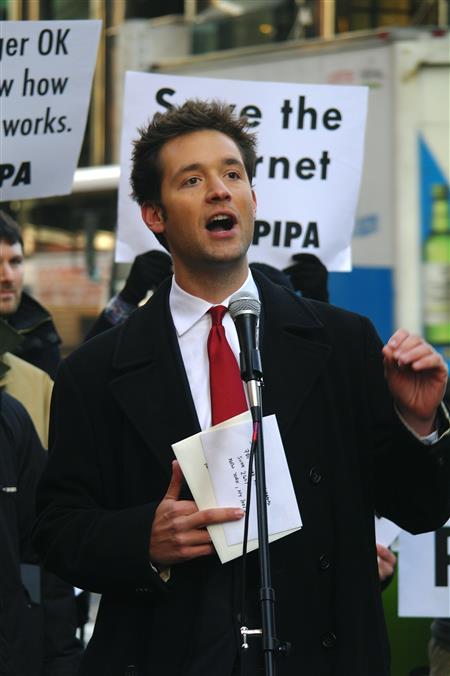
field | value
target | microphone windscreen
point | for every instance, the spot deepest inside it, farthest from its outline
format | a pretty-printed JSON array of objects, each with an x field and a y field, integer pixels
[{"x": 244, "y": 302}]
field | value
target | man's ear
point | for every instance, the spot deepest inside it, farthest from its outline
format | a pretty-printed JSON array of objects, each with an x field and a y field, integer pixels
[
  {"x": 254, "y": 202},
  {"x": 153, "y": 217}
]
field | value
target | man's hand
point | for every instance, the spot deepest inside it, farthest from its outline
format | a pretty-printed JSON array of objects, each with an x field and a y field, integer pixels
[
  {"x": 179, "y": 527},
  {"x": 386, "y": 562},
  {"x": 417, "y": 376}
]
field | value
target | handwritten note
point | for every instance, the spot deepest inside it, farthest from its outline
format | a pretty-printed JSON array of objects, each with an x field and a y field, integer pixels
[
  {"x": 190, "y": 455},
  {"x": 227, "y": 453}
]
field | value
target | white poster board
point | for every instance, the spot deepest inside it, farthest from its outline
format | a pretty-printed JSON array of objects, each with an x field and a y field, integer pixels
[
  {"x": 46, "y": 70},
  {"x": 423, "y": 582},
  {"x": 310, "y": 145}
]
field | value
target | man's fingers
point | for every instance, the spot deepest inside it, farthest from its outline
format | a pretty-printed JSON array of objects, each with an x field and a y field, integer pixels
[
  {"x": 189, "y": 553},
  {"x": 191, "y": 538},
  {"x": 404, "y": 349},
  {"x": 176, "y": 481},
  {"x": 208, "y": 517}
]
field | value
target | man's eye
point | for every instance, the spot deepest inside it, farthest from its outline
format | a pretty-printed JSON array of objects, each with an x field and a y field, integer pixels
[
  {"x": 192, "y": 180},
  {"x": 16, "y": 261},
  {"x": 234, "y": 175}
]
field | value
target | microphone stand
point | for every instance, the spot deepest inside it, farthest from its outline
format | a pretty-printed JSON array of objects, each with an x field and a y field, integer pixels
[
  {"x": 270, "y": 644},
  {"x": 244, "y": 310}
]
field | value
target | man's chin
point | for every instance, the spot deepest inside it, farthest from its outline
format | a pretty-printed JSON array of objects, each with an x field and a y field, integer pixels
[{"x": 8, "y": 308}]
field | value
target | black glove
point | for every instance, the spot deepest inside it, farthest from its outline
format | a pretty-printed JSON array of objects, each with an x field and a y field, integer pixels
[
  {"x": 276, "y": 276},
  {"x": 310, "y": 276},
  {"x": 147, "y": 272}
]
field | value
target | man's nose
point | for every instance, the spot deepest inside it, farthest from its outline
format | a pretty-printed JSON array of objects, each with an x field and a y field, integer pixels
[
  {"x": 5, "y": 272},
  {"x": 217, "y": 191}
]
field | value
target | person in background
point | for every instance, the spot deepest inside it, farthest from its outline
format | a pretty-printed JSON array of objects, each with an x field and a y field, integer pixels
[
  {"x": 146, "y": 273},
  {"x": 37, "y": 610},
  {"x": 115, "y": 514},
  {"x": 37, "y": 343},
  {"x": 40, "y": 345},
  {"x": 25, "y": 382},
  {"x": 309, "y": 276}
]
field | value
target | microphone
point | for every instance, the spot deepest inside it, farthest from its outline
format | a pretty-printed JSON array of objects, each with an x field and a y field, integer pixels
[{"x": 244, "y": 309}]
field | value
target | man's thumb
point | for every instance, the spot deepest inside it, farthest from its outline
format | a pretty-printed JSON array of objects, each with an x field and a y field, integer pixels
[{"x": 176, "y": 481}]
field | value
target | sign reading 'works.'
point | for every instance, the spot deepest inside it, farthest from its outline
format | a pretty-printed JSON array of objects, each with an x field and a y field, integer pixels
[
  {"x": 308, "y": 172},
  {"x": 46, "y": 70}
]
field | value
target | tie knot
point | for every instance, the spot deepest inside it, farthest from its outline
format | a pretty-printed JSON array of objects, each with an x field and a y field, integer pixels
[{"x": 217, "y": 312}]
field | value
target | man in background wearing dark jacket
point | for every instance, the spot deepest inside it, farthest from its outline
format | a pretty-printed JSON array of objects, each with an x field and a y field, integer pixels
[
  {"x": 40, "y": 345},
  {"x": 37, "y": 610}
]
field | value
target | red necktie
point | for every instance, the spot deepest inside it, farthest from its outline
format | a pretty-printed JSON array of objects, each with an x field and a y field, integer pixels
[{"x": 227, "y": 391}]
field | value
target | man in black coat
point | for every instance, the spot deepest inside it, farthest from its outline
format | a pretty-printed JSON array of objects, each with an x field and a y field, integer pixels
[
  {"x": 40, "y": 340},
  {"x": 37, "y": 611},
  {"x": 115, "y": 516}
]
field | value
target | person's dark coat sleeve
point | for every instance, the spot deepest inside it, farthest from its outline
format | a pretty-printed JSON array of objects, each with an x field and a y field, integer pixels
[{"x": 51, "y": 620}]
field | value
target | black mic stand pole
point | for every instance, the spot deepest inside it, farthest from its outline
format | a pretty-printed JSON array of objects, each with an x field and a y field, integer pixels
[{"x": 270, "y": 644}]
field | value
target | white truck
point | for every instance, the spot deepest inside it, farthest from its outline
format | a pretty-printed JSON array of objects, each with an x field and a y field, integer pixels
[{"x": 407, "y": 155}]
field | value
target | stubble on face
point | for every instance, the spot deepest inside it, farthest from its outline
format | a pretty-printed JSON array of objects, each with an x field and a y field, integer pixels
[{"x": 11, "y": 277}]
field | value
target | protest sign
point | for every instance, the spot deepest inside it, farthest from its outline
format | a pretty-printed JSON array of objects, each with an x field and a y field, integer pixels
[
  {"x": 423, "y": 574},
  {"x": 46, "y": 72},
  {"x": 310, "y": 152}
]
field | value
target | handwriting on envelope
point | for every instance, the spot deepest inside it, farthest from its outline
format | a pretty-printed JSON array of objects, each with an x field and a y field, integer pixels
[{"x": 227, "y": 452}]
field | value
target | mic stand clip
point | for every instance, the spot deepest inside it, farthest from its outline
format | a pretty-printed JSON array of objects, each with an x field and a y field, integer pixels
[{"x": 245, "y": 631}]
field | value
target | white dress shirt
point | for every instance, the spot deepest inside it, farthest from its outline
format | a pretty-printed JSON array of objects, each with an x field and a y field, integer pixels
[{"x": 192, "y": 324}]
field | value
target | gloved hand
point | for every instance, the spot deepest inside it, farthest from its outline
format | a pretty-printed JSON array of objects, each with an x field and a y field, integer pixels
[
  {"x": 310, "y": 276},
  {"x": 147, "y": 272}
]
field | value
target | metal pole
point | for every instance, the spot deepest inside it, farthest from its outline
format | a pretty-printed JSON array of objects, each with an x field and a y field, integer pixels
[
  {"x": 97, "y": 116},
  {"x": 190, "y": 10},
  {"x": 327, "y": 18}
]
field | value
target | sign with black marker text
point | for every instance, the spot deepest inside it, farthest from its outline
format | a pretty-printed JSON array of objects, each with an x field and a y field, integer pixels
[
  {"x": 46, "y": 70},
  {"x": 424, "y": 568},
  {"x": 308, "y": 172}
]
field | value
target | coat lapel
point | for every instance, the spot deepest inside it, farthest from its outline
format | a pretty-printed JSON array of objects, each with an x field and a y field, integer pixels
[
  {"x": 150, "y": 383},
  {"x": 294, "y": 351}
]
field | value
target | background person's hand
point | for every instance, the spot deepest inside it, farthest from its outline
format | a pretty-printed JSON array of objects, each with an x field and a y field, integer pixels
[
  {"x": 309, "y": 276},
  {"x": 179, "y": 528},
  {"x": 146, "y": 274},
  {"x": 386, "y": 562}
]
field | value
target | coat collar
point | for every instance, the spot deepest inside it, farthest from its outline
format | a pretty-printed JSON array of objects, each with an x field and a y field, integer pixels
[{"x": 150, "y": 382}]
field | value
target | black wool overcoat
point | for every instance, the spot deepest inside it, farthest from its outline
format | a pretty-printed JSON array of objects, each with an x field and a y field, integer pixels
[{"x": 122, "y": 399}]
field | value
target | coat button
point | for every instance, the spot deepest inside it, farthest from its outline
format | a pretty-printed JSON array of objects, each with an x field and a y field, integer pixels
[
  {"x": 324, "y": 562},
  {"x": 315, "y": 475},
  {"x": 329, "y": 640}
]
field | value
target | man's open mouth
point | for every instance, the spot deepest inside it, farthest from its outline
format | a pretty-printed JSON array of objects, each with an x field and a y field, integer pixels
[{"x": 221, "y": 222}]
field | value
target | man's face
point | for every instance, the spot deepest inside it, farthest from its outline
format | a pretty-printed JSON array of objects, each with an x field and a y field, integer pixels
[
  {"x": 11, "y": 276},
  {"x": 208, "y": 204}
]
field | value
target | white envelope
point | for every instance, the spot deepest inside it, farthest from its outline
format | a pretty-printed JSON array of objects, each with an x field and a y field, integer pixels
[{"x": 191, "y": 455}]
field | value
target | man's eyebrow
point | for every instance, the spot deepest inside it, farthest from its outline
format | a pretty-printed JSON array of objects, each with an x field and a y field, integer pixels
[
  {"x": 194, "y": 166},
  {"x": 198, "y": 166},
  {"x": 233, "y": 161}
]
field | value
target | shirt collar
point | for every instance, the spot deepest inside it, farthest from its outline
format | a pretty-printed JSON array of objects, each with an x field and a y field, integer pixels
[{"x": 187, "y": 310}]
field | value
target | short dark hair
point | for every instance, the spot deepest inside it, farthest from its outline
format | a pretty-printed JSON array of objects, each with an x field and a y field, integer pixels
[
  {"x": 193, "y": 115},
  {"x": 9, "y": 230}
]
